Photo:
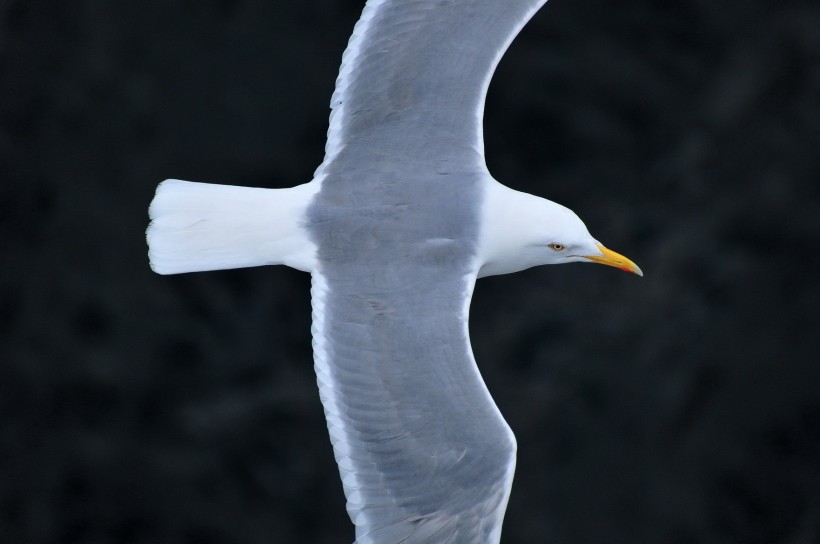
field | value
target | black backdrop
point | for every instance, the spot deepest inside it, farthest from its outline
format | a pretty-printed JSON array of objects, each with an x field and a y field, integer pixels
[{"x": 683, "y": 407}]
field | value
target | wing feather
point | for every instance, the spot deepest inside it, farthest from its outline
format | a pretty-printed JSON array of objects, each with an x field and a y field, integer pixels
[
  {"x": 414, "y": 78},
  {"x": 423, "y": 452}
]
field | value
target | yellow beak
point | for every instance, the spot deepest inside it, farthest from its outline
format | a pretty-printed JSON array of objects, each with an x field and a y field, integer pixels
[{"x": 610, "y": 258}]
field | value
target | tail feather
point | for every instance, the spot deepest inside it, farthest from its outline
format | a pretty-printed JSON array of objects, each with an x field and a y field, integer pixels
[{"x": 203, "y": 226}]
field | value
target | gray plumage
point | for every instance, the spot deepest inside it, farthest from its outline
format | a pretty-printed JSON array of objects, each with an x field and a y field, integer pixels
[{"x": 424, "y": 453}]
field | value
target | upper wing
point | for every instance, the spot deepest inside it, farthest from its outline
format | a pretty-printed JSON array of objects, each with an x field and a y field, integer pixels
[
  {"x": 413, "y": 81},
  {"x": 423, "y": 452}
]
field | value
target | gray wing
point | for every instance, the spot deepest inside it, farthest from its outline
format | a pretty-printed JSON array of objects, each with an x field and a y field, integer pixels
[
  {"x": 413, "y": 81},
  {"x": 423, "y": 452}
]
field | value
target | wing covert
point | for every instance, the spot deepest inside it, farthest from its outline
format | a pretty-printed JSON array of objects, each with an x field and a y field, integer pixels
[
  {"x": 423, "y": 452},
  {"x": 413, "y": 81}
]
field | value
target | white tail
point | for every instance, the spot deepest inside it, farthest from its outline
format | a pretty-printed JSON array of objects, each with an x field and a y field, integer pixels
[{"x": 203, "y": 226}]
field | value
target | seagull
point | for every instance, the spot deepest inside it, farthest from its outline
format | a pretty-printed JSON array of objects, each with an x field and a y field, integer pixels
[{"x": 399, "y": 221}]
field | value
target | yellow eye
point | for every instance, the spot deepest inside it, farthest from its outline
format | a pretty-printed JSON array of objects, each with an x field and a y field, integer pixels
[{"x": 557, "y": 247}]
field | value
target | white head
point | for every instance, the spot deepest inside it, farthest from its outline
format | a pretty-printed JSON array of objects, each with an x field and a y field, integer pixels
[{"x": 520, "y": 231}]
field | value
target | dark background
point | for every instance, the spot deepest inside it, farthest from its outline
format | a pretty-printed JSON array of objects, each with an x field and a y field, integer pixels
[{"x": 683, "y": 407}]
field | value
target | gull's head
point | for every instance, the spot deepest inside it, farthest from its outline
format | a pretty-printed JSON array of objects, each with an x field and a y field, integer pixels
[{"x": 520, "y": 231}]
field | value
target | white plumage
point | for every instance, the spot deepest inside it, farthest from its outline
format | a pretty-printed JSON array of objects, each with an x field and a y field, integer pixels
[{"x": 204, "y": 226}]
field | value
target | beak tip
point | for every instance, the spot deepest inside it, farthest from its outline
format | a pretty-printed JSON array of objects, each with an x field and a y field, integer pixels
[{"x": 611, "y": 258}]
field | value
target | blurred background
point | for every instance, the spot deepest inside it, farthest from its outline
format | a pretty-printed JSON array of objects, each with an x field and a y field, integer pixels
[{"x": 680, "y": 408}]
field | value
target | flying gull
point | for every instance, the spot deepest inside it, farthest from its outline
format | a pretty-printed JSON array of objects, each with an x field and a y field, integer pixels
[{"x": 400, "y": 220}]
